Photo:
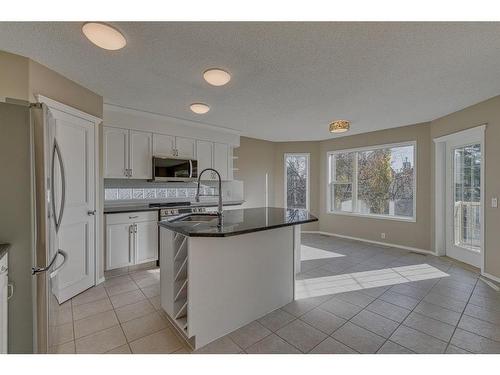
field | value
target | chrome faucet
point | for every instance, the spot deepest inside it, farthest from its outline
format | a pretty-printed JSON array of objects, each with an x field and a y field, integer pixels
[{"x": 219, "y": 206}]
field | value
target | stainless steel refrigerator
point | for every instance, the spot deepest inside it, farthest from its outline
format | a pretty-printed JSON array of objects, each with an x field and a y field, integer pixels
[{"x": 33, "y": 202}]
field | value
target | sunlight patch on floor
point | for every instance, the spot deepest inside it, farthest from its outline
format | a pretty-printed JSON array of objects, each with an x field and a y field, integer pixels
[
  {"x": 311, "y": 253},
  {"x": 320, "y": 286}
]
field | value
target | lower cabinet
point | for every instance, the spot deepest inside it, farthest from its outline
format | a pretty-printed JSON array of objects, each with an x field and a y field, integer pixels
[{"x": 131, "y": 238}]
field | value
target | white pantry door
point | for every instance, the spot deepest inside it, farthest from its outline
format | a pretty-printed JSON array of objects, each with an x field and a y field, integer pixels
[{"x": 76, "y": 236}]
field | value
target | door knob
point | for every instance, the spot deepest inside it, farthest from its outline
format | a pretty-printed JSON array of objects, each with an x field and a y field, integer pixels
[{"x": 91, "y": 212}]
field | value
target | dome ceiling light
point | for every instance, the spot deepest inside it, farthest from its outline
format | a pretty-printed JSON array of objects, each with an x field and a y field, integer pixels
[
  {"x": 104, "y": 36},
  {"x": 199, "y": 108},
  {"x": 216, "y": 77},
  {"x": 340, "y": 126}
]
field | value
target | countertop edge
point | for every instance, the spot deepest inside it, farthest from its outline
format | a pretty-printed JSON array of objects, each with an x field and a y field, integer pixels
[{"x": 235, "y": 233}]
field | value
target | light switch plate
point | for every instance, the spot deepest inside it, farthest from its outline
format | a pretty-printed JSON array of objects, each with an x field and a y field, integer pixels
[{"x": 494, "y": 202}]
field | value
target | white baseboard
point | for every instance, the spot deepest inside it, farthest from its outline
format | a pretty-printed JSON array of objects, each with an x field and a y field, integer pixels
[
  {"x": 491, "y": 277},
  {"x": 101, "y": 280},
  {"x": 409, "y": 248}
]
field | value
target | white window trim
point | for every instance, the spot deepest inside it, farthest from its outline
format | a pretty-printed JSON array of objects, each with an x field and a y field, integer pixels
[
  {"x": 412, "y": 219},
  {"x": 308, "y": 157}
]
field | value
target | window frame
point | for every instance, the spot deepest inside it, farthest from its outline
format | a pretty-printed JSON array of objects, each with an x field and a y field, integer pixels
[
  {"x": 285, "y": 183},
  {"x": 354, "y": 182}
]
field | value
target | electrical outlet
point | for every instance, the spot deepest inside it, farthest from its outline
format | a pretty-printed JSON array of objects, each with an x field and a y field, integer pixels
[
  {"x": 494, "y": 202},
  {"x": 382, "y": 235}
]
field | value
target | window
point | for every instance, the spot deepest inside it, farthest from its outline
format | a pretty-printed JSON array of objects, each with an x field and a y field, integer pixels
[
  {"x": 376, "y": 181},
  {"x": 297, "y": 181}
]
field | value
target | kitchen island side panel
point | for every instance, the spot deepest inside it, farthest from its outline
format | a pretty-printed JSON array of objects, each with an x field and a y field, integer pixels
[{"x": 235, "y": 280}]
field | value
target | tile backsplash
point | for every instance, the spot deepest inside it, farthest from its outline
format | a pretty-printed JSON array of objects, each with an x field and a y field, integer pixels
[{"x": 113, "y": 194}]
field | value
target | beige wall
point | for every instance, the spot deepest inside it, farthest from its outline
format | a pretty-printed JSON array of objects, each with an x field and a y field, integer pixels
[
  {"x": 14, "y": 81},
  {"x": 411, "y": 234},
  {"x": 255, "y": 162},
  {"x": 46, "y": 82},
  {"x": 22, "y": 78},
  {"x": 487, "y": 112}
]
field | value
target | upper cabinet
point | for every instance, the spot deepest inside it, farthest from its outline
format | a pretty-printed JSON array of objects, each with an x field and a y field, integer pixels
[
  {"x": 115, "y": 152},
  {"x": 170, "y": 146},
  {"x": 221, "y": 160},
  {"x": 163, "y": 145},
  {"x": 141, "y": 155},
  {"x": 185, "y": 148},
  {"x": 129, "y": 153}
]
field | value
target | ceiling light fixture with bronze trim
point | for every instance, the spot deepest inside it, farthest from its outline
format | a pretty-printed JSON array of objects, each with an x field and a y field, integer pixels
[{"x": 339, "y": 126}]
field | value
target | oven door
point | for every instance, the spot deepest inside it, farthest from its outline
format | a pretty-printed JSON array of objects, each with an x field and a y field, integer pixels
[{"x": 168, "y": 169}]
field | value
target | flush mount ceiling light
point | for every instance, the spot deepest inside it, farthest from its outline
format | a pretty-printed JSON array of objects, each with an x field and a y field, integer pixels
[
  {"x": 199, "y": 108},
  {"x": 339, "y": 126},
  {"x": 216, "y": 77},
  {"x": 104, "y": 36}
]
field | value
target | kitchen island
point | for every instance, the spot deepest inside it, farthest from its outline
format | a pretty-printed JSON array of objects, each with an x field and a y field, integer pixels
[{"x": 217, "y": 278}]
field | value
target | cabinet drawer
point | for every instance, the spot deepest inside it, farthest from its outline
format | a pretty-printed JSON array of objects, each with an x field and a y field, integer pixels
[{"x": 132, "y": 217}]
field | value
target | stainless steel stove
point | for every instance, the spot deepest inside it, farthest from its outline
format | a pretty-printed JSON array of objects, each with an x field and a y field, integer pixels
[{"x": 170, "y": 210}]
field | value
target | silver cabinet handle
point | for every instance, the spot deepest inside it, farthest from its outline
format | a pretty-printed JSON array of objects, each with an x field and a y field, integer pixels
[
  {"x": 133, "y": 217},
  {"x": 10, "y": 291},
  {"x": 57, "y": 218},
  {"x": 135, "y": 228},
  {"x": 37, "y": 270},
  {"x": 90, "y": 213}
]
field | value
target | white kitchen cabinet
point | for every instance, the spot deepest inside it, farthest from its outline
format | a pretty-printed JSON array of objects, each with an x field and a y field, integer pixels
[
  {"x": 204, "y": 153},
  {"x": 127, "y": 153},
  {"x": 221, "y": 160},
  {"x": 131, "y": 238},
  {"x": 185, "y": 148},
  {"x": 163, "y": 145},
  {"x": 146, "y": 241},
  {"x": 3, "y": 304},
  {"x": 119, "y": 246},
  {"x": 140, "y": 155},
  {"x": 116, "y": 147}
]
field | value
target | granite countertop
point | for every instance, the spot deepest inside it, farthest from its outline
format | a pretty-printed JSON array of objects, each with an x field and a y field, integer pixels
[
  {"x": 241, "y": 221},
  {"x": 135, "y": 207},
  {"x": 4, "y": 248}
]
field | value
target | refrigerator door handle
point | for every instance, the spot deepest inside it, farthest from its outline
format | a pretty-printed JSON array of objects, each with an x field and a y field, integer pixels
[
  {"x": 37, "y": 270},
  {"x": 58, "y": 218}
]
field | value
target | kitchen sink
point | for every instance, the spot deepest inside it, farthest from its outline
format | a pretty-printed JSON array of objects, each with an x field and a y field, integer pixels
[{"x": 197, "y": 218}]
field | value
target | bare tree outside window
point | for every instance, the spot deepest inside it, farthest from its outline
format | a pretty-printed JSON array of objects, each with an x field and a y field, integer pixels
[
  {"x": 383, "y": 183},
  {"x": 296, "y": 180}
]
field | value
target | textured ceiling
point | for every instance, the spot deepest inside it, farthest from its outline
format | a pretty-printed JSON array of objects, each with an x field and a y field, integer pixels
[{"x": 289, "y": 79}]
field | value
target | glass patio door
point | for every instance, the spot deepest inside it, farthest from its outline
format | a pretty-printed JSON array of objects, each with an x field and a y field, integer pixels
[{"x": 464, "y": 216}]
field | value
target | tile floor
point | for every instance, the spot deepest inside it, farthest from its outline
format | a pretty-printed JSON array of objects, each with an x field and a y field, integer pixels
[
  {"x": 394, "y": 301},
  {"x": 122, "y": 315}
]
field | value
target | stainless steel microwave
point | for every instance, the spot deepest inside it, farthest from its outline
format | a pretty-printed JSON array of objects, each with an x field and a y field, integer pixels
[{"x": 169, "y": 169}]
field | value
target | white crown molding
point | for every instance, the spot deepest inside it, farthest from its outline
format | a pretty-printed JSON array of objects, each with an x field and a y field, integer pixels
[
  {"x": 54, "y": 104},
  {"x": 195, "y": 124}
]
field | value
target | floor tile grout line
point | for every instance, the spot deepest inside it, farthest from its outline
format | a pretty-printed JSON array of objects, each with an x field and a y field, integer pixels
[{"x": 461, "y": 315}]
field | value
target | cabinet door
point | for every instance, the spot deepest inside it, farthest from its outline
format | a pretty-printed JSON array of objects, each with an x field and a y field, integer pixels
[
  {"x": 185, "y": 147},
  {"x": 115, "y": 152},
  {"x": 163, "y": 145},
  {"x": 141, "y": 154},
  {"x": 119, "y": 245},
  {"x": 146, "y": 242},
  {"x": 204, "y": 153},
  {"x": 221, "y": 159}
]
